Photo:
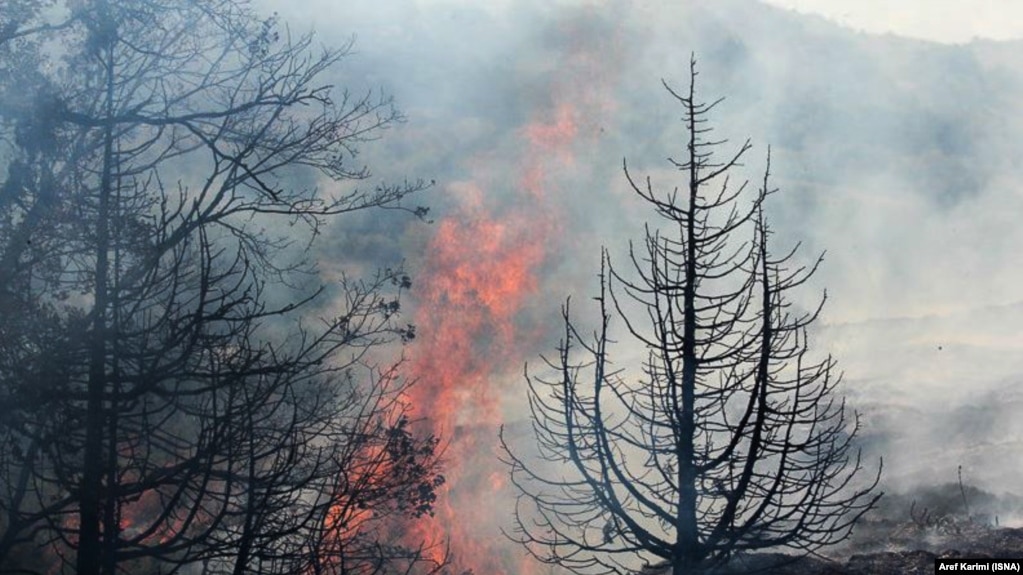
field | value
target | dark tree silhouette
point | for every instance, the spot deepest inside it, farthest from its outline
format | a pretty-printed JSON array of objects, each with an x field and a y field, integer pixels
[
  {"x": 168, "y": 163},
  {"x": 728, "y": 439}
]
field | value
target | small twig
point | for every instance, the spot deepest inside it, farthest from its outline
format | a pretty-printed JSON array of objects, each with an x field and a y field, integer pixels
[
  {"x": 923, "y": 520},
  {"x": 962, "y": 491}
]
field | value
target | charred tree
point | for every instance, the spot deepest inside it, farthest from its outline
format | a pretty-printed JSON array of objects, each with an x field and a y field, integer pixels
[
  {"x": 165, "y": 405},
  {"x": 728, "y": 438}
]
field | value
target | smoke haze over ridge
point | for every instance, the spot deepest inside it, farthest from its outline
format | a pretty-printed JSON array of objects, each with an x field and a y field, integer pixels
[{"x": 898, "y": 156}]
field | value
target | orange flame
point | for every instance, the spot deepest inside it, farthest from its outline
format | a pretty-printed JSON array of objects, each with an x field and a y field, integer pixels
[{"x": 482, "y": 269}]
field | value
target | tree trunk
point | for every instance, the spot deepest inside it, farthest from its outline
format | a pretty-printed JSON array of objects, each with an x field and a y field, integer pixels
[
  {"x": 687, "y": 535},
  {"x": 90, "y": 502}
]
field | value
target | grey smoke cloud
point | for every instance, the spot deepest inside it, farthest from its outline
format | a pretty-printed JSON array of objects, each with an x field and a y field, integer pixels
[{"x": 899, "y": 157}]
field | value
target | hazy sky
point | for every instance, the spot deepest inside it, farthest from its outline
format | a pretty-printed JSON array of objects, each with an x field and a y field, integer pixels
[{"x": 949, "y": 21}]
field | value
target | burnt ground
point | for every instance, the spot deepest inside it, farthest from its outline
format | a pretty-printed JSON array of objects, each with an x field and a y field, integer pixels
[
  {"x": 972, "y": 541},
  {"x": 906, "y": 534}
]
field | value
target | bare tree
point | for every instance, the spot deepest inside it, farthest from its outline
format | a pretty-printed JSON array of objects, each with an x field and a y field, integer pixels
[
  {"x": 728, "y": 439},
  {"x": 38, "y": 332},
  {"x": 169, "y": 407}
]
